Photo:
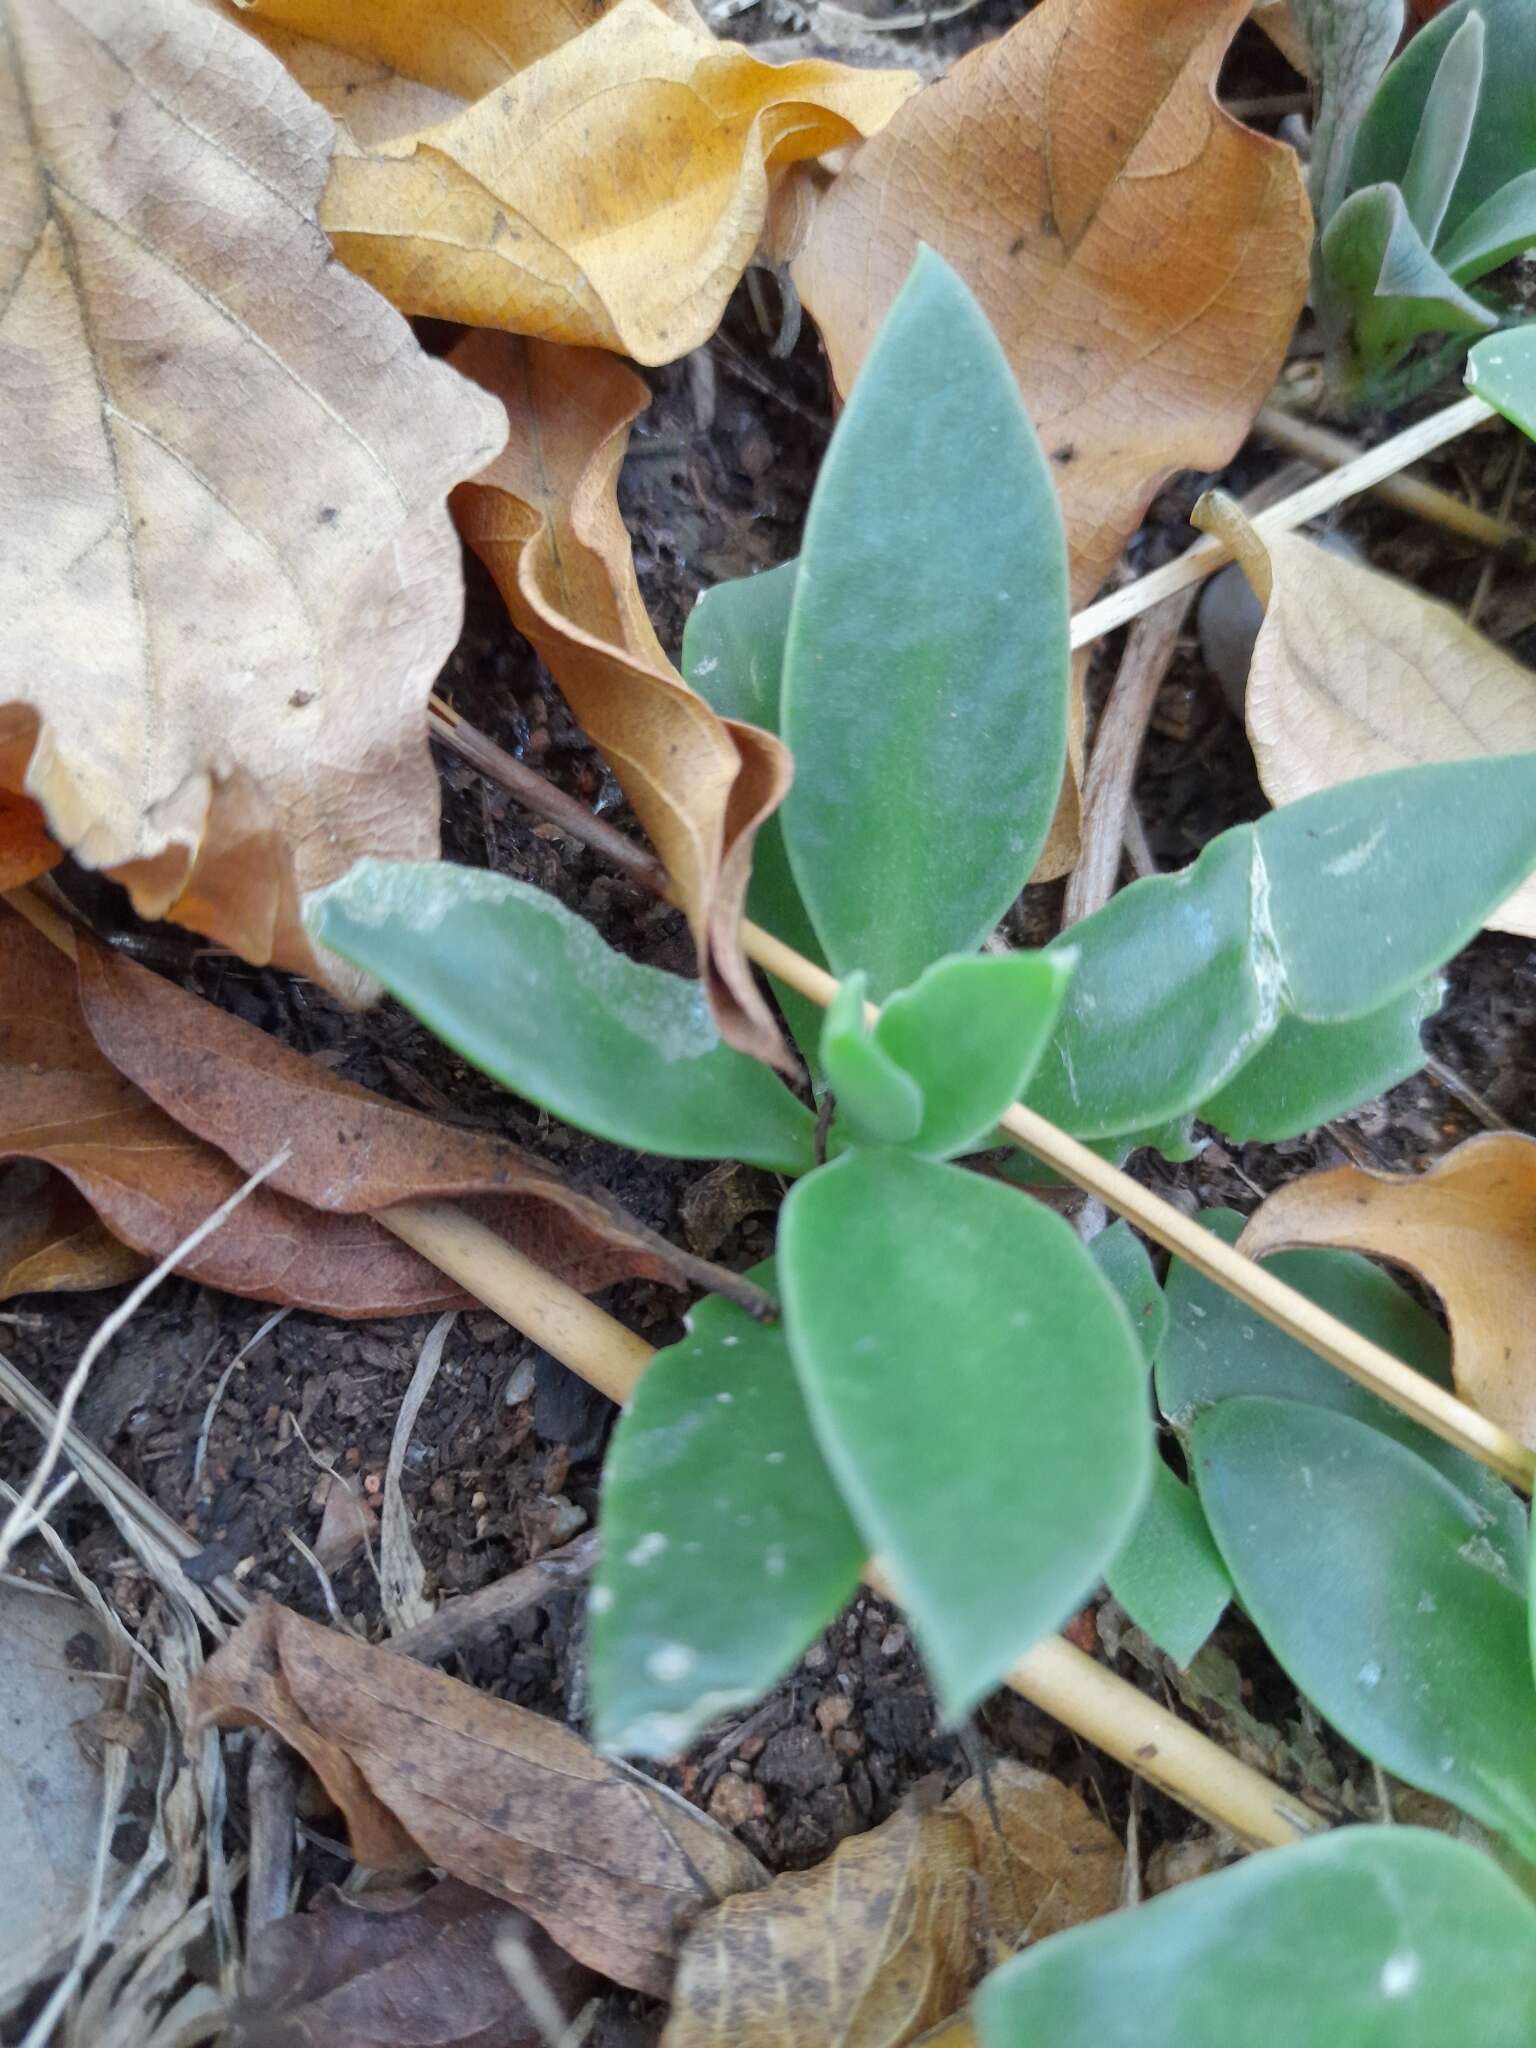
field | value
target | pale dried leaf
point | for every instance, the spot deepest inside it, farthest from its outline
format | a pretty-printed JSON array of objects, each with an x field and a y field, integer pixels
[
  {"x": 544, "y": 518},
  {"x": 346, "y": 1521},
  {"x": 886, "y": 1939},
  {"x": 613, "y": 1866},
  {"x": 1466, "y": 1228},
  {"x": 222, "y": 484},
  {"x": 1354, "y": 673},
  {"x": 1279, "y": 24},
  {"x": 1141, "y": 255},
  {"x": 51, "y": 1241},
  {"x": 611, "y": 193},
  {"x": 402, "y": 1575}
]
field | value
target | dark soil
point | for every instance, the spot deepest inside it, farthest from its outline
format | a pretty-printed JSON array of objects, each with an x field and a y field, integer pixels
[{"x": 506, "y": 1457}]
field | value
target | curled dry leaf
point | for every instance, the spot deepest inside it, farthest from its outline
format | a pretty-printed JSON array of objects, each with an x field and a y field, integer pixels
[
  {"x": 610, "y": 193},
  {"x": 1141, "y": 255},
  {"x": 887, "y": 1938},
  {"x": 1354, "y": 672},
  {"x": 228, "y": 575},
  {"x": 155, "y": 1106},
  {"x": 427, "y": 1770},
  {"x": 398, "y": 1969},
  {"x": 51, "y": 1240},
  {"x": 544, "y": 518},
  {"x": 1466, "y": 1228}
]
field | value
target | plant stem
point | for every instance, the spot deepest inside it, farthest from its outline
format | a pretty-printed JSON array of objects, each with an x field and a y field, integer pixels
[
  {"x": 1258, "y": 1289},
  {"x": 1086, "y": 1696}
]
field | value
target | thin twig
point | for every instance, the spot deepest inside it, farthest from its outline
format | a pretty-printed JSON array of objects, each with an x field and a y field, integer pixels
[
  {"x": 1207, "y": 556},
  {"x": 1330, "y": 451},
  {"x": 123, "y": 1313},
  {"x": 469, "y": 1617},
  {"x": 1149, "y": 649},
  {"x": 1490, "y": 568},
  {"x": 200, "y": 1455}
]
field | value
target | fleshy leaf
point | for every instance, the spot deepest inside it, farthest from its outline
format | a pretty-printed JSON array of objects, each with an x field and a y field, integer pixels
[
  {"x": 1503, "y": 227},
  {"x": 971, "y": 1031},
  {"x": 1393, "y": 287},
  {"x": 1169, "y": 1577},
  {"x": 533, "y": 996},
  {"x": 1502, "y": 370},
  {"x": 1307, "y": 1073},
  {"x": 1375, "y": 1936},
  {"x": 1216, "y": 1348},
  {"x": 1183, "y": 978},
  {"x": 966, "y": 1465},
  {"x": 726, "y": 1545},
  {"x": 1440, "y": 147},
  {"x": 1122, "y": 1258},
  {"x": 1499, "y": 147},
  {"x": 1374, "y": 1582},
  {"x": 932, "y": 589},
  {"x": 877, "y": 1096}
]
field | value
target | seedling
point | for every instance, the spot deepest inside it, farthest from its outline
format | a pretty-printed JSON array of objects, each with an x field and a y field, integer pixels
[
  {"x": 957, "y": 1383},
  {"x": 1440, "y": 192}
]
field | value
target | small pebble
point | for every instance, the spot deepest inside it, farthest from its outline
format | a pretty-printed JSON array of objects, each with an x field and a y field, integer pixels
[{"x": 894, "y": 1641}]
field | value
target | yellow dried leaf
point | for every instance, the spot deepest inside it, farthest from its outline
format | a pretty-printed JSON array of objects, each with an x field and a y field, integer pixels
[
  {"x": 545, "y": 520},
  {"x": 1354, "y": 672},
  {"x": 610, "y": 194},
  {"x": 1466, "y": 1228},
  {"x": 463, "y": 47},
  {"x": 228, "y": 575},
  {"x": 886, "y": 1939},
  {"x": 1141, "y": 255}
]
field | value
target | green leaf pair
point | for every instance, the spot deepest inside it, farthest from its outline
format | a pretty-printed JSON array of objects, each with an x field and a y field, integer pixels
[
  {"x": 1441, "y": 188},
  {"x": 943, "y": 1338},
  {"x": 942, "y": 1060}
]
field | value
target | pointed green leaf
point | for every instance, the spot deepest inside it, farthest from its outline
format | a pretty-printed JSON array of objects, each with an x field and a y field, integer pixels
[
  {"x": 1376, "y": 261},
  {"x": 1373, "y": 1937},
  {"x": 925, "y": 676},
  {"x": 1163, "y": 1005},
  {"x": 1500, "y": 144},
  {"x": 952, "y": 1337},
  {"x": 1349, "y": 46},
  {"x": 1122, "y": 1258},
  {"x": 1373, "y": 885},
  {"x": 1373, "y": 1580},
  {"x": 1307, "y": 1073},
  {"x": 876, "y": 1097},
  {"x": 970, "y": 1031},
  {"x": 1216, "y": 1348},
  {"x": 733, "y": 655},
  {"x": 1440, "y": 147},
  {"x": 1331, "y": 909},
  {"x": 1169, "y": 1576},
  {"x": 531, "y": 994},
  {"x": 726, "y": 1547},
  {"x": 1502, "y": 228},
  {"x": 1502, "y": 371}
]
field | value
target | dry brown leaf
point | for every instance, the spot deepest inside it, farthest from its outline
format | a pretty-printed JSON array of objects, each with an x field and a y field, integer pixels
[
  {"x": 228, "y": 576},
  {"x": 885, "y": 1939},
  {"x": 609, "y": 194},
  {"x": 544, "y": 518},
  {"x": 398, "y": 1970},
  {"x": 50, "y": 1239},
  {"x": 1466, "y": 1228},
  {"x": 612, "y": 1866},
  {"x": 161, "y": 1126},
  {"x": 1141, "y": 255},
  {"x": 26, "y": 850},
  {"x": 1354, "y": 672}
]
